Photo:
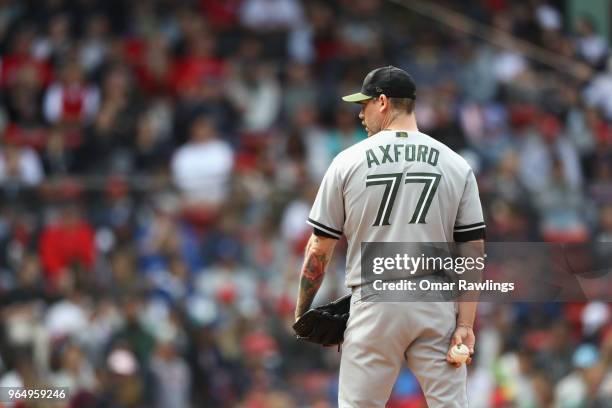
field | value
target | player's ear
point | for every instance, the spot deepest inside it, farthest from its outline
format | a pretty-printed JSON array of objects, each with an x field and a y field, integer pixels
[{"x": 384, "y": 103}]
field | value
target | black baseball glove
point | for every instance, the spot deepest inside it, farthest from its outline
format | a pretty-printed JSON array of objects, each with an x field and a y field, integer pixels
[{"x": 325, "y": 324}]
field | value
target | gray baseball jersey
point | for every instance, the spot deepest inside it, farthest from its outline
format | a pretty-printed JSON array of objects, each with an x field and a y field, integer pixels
[{"x": 397, "y": 186}]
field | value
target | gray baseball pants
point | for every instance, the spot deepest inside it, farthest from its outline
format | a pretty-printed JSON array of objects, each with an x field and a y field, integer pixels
[{"x": 380, "y": 336}]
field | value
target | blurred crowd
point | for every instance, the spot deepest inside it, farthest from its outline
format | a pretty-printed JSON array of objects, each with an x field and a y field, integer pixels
[{"x": 158, "y": 159}]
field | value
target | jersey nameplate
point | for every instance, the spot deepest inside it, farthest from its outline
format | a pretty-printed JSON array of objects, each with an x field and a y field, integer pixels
[{"x": 393, "y": 153}]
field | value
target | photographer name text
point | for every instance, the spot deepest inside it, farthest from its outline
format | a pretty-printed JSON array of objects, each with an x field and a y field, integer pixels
[{"x": 427, "y": 285}]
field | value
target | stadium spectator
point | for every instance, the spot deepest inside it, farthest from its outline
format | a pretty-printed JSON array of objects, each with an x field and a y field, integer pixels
[
  {"x": 57, "y": 157},
  {"x": 346, "y": 132},
  {"x": 20, "y": 165},
  {"x": 19, "y": 57},
  {"x": 201, "y": 168},
  {"x": 271, "y": 15},
  {"x": 55, "y": 44},
  {"x": 67, "y": 248},
  {"x": 172, "y": 377},
  {"x": 71, "y": 100},
  {"x": 256, "y": 93},
  {"x": 94, "y": 45},
  {"x": 589, "y": 44}
]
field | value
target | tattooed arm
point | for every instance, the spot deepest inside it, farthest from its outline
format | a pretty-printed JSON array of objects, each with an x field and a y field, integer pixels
[{"x": 319, "y": 251}]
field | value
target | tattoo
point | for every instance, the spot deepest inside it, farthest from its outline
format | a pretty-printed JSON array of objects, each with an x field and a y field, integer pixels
[
  {"x": 313, "y": 272},
  {"x": 310, "y": 243}
]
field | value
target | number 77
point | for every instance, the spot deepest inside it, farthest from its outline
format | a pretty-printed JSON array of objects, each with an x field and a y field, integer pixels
[{"x": 392, "y": 181}]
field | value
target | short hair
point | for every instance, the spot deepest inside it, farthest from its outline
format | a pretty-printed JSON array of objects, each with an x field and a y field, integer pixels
[{"x": 404, "y": 105}]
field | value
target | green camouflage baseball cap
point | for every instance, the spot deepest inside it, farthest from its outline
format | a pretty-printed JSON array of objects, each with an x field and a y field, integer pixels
[{"x": 391, "y": 81}]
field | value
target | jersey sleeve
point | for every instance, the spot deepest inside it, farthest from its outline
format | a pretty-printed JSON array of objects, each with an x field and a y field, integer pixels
[
  {"x": 469, "y": 224},
  {"x": 327, "y": 212}
]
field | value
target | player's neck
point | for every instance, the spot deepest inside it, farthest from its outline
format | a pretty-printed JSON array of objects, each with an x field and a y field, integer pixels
[{"x": 402, "y": 122}]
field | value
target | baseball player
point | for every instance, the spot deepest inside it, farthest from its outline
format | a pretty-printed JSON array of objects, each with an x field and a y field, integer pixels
[{"x": 398, "y": 185}]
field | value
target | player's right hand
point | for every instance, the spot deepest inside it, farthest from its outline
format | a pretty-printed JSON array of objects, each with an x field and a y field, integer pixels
[{"x": 462, "y": 335}]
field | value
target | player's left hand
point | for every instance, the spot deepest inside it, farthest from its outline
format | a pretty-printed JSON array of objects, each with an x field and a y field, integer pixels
[{"x": 462, "y": 335}]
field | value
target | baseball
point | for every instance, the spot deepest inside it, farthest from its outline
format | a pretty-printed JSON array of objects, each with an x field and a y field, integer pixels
[{"x": 460, "y": 353}]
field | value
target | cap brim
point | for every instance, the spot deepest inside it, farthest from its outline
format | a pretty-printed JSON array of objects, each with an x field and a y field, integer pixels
[{"x": 356, "y": 97}]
